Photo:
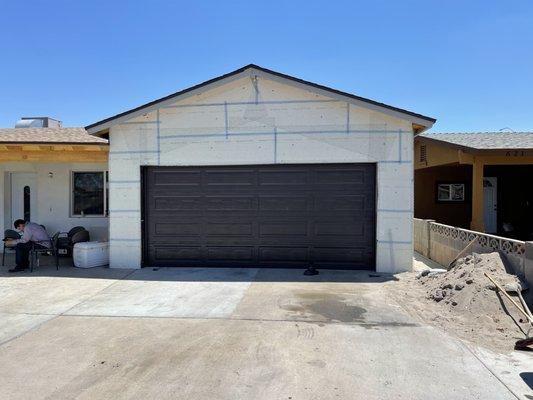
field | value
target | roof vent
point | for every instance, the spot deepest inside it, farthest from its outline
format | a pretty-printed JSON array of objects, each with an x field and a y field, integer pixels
[
  {"x": 38, "y": 122},
  {"x": 423, "y": 154}
]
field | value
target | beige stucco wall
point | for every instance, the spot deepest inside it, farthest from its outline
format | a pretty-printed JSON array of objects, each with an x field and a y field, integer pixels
[
  {"x": 268, "y": 123},
  {"x": 53, "y": 194}
]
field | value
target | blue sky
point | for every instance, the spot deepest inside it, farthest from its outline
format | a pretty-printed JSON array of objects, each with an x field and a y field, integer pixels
[{"x": 467, "y": 63}]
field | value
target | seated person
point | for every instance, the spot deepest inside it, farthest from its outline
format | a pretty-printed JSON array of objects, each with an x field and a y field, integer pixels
[{"x": 33, "y": 235}]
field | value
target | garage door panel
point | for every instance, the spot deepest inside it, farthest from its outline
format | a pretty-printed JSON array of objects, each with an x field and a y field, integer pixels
[
  {"x": 230, "y": 253},
  {"x": 230, "y": 203},
  {"x": 282, "y": 215},
  {"x": 284, "y": 228},
  {"x": 230, "y": 228},
  {"x": 178, "y": 178},
  {"x": 171, "y": 203},
  {"x": 337, "y": 202},
  {"x": 341, "y": 228},
  {"x": 339, "y": 176},
  {"x": 283, "y": 254},
  {"x": 229, "y": 178},
  {"x": 171, "y": 253},
  {"x": 178, "y": 228},
  {"x": 284, "y": 203},
  {"x": 274, "y": 177}
]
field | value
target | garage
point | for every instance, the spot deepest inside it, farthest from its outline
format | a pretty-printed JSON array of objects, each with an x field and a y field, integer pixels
[
  {"x": 260, "y": 216},
  {"x": 256, "y": 168}
]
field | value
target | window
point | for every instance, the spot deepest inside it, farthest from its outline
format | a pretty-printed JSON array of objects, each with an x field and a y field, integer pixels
[
  {"x": 450, "y": 192},
  {"x": 89, "y": 194}
]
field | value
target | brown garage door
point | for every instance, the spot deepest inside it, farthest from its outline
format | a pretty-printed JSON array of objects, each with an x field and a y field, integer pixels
[{"x": 267, "y": 215}]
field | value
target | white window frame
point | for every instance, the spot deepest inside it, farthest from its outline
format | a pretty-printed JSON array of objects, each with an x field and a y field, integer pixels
[
  {"x": 452, "y": 187},
  {"x": 106, "y": 186}
]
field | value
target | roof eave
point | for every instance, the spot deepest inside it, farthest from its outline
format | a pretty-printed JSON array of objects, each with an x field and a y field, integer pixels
[
  {"x": 11, "y": 143},
  {"x": 466, "y": 149}
]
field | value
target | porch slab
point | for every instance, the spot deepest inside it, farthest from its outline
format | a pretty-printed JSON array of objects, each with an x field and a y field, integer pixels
[
  {"x": 50, "y": 292},
  {"x": 172, "y": 292},
  {"x": 29, "y": 299}
]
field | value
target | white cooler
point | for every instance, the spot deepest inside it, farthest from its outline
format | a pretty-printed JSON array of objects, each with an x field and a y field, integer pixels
[{"x": 91, "y": 254}]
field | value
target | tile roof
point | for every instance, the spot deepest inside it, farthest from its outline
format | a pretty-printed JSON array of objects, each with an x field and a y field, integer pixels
[
  {"x": 485, "y": 140},
  {"x": 48, "y": 135}
]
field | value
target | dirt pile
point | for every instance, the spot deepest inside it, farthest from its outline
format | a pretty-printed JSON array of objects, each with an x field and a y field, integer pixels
[
  {"x": 466, "y": 289},
  {"x": 464, "y": 301}
]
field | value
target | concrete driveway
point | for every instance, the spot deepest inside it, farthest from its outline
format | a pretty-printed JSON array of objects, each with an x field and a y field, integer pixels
[{"x": 226, "y": 334}]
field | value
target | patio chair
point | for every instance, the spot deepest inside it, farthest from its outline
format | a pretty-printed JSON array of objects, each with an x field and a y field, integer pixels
[
  {"x": 9, "y": 234},
  {"x": 35, "y": 253},
  {"x": 65, "y": 242}
]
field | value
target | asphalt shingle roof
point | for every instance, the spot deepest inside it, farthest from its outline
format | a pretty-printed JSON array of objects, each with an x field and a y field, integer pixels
[
  {"x": 485, "y": 140},
  {"x": 48, "y": 135}
]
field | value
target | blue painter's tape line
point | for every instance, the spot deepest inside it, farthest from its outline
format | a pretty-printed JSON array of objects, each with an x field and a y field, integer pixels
[
  {"x": 400, "y": 145},
  {"x": 395, "y": 242},
  {"x": 124, "y": 240},
  {"x": 124, "y": 211},
  {"x": 347, "y": 118},
  {"x": 134, "y": 152},
  {"x": 246, "y": 103},
  {"x": 395, "y": 162},
  {"x": 217, "y": 135},
  {"x": 275, "y": 145},
  {"x": 138, "y": 123},
  {"x": 158, "y": 139},
  {"x": 394, "y": 211},
  {"x": 226, "y": 124},
  {"x": 132, "y": 181}
]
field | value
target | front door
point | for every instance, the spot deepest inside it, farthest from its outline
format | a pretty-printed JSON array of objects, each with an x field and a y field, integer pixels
[
  {"x": 490, "y": 206},
  {"x": 24, "y": 196}
]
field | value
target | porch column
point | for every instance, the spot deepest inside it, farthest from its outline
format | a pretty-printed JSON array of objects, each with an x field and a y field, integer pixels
[{"x": 477, "y": 223}]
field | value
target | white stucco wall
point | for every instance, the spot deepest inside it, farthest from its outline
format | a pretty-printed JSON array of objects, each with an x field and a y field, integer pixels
[
  {"x": 53, "y": 195},
  {"x": 277, "y": 123}
]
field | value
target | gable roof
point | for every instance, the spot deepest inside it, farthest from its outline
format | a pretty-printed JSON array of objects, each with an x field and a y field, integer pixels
[
  {"x": 483, "y": 140},
  {"x": 49, "y": 136},
  {"x": 417, "y": 118}
]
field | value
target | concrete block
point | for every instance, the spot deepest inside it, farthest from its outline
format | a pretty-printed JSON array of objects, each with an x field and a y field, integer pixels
[
  {"x": 394, "y": 257},
  {"x": 125, "y": 226},
  {"x": 124, "y": 196},
  {"x": 125, "y": 254},
  {"x": 134, "y": 137},
  {"x": 395, "y": 226}
]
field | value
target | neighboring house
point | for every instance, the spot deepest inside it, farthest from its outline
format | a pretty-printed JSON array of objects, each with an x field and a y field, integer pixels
[
  {"x": 478, "y": 180},
  {"x": 257, "y": 168},
  {"x": 55, "y": 176}
]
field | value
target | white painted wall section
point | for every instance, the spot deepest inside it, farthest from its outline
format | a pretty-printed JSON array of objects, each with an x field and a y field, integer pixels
[{"x": 53, "y": 195}]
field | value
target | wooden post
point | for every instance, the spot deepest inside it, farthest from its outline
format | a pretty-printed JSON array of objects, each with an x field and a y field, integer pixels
[{"x": 477, "y": 223}]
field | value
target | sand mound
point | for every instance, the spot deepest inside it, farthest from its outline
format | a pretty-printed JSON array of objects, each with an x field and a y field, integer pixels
[
  {"x": 466, "y": 289},
  {"x": 465, "y": 301}
]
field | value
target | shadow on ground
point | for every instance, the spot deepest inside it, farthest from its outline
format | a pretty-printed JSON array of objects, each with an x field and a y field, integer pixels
[{"x": 214, "y": 274}]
